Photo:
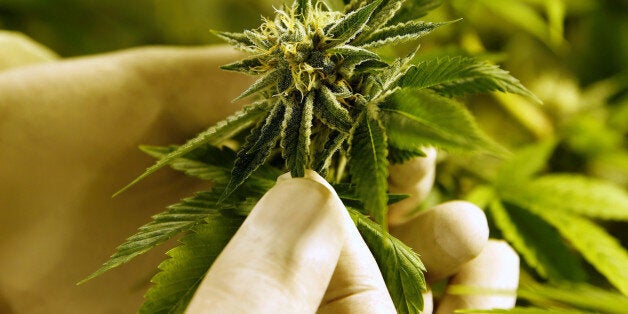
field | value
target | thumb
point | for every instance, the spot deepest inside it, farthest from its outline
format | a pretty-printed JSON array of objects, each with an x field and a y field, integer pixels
[{"x": 282, "y": 258}]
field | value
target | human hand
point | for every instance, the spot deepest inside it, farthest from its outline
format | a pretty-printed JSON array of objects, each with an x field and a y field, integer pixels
[
  {"x": 300, "y": 252},
  {"x": 69, "y": 134}
]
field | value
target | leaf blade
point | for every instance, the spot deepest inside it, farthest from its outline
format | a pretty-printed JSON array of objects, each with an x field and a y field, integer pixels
[
  {"x": 401, "y": 268},
  {"x": 462, "y": 75},
  {"x": 399, "y": 33},
  {"x": 351, "y": 24},
  {"x": 214, "y": 135},
  {"x": 182, "y": 273},
  {"x": 538, "y": 243},
  {"x": 368, "y": 164},
  {"x": 417, "y": 119},
  {"x": 256, "y": 149},
  {"x": 177, "y": 218}
]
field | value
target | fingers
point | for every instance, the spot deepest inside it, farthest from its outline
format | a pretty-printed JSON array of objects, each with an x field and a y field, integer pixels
[
  {"x": 356, "y": 285},
  {"x": 446, "y": 237},
  {"x": 285, "y": 256},
  {"x": 414, "y": 177},
  {"x": 282, "y": 258},
  {"x": 496, "y": 268}
]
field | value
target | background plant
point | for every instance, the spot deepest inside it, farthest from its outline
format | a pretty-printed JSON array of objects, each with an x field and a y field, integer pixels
[{"x": 579, "y": 54}]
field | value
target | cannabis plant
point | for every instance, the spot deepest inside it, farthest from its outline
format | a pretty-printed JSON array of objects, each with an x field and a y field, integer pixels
[{"x": 325, "y": 100}]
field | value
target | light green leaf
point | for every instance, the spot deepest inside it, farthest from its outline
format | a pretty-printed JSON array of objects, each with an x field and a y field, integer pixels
[
  {"x": 598, "y": 247},
  {"x": 400, "y": 266},
  {"x": 399, "y": 33},
  {"x": 415, "y": 119},
  {"x": 462, "y": 75},
  {"x": 257, "y": 148},
  {"x": 329, "y": 110},
  {"x": 252, "y": 66},
  {"x": 576, "y": 194},
  {"x": 525, "y": 163},
  {"x": 580, "y": 295},
  {"x": 524, "y": 310},
  {"x": 538, "y": 243},
  {"x": 178, "y": 218},
  {"x": 414, "y": 9},
  {"x": 351, "y": 24},
  {"x": 268, "y": 80},
  {"x": 214, "y": 136},
  {"x": 295, "y": 137},
  {"x": 237, "y": 40},
  {"x": 182, "y": 273},
  {"x": 368, "y": 164}
]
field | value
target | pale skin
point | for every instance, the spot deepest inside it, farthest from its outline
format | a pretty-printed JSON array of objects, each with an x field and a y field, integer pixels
[{"x": 69, "y": 135}]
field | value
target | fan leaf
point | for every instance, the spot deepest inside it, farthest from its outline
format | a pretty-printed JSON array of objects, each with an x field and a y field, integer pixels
[
  {"x": 368, "y": 164},
  {"x": 417, "y": 119},
  {"x": 538, "y": 243},
  {"x": 462, "y": 75},
  {"x": 575, "y": 194},
  {"x": 181, "y": 274},
  {"x": 401, "y": 268},
  {"x": 214, "y": 135},
  {"x": 598, "y": 247},
  {"x": 178, "y": 218}
]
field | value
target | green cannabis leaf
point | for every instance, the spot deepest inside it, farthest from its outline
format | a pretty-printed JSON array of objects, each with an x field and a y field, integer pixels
[
  {"x": 401, "y": 267},
  {"x": 181, "y": 274},
  {"x": 538, "y": 242}
]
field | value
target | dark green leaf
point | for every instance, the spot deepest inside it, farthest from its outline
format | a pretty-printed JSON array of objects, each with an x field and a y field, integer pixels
[
  {"x": 462, "y": 75},
  {"x": 399, "y": 156},
  {"x": 356, "y": 54},
  {"x": 598, "y": 247},
  {"x": 252, "y": 66},
  {"x": 368, "y": 164},
  {"x": 178, "y": 218},
  {"x": 416, "y": 119},
  {"x": 257, "y": 148},
  {"x": 538, "y": 243},
  {"x": 295, "y": 139},
  {"x": 237, "y": 40},
  {"x": 303, "y": 7},
  {"x": 323, "y": 159},
  {"x": 182, "y": 273},
  {"x": 399, "y": 33},
  {"x": 400, "y": 266},
  {"x": 206, "y": 162},
  {"x": 384, "y": 13},
  {"x": 263, "y": 83},
  {"x": 329, "y": 110},
  {"x": 351, "y": 24},
  {"x": 214, "y": 135}
]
